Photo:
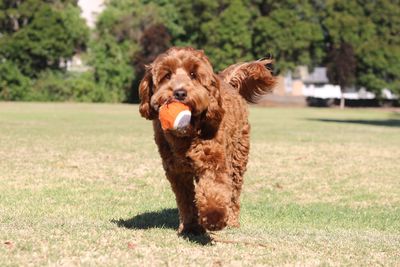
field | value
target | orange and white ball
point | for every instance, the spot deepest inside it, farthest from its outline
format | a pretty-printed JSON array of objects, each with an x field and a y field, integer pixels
[{"x": 174, "y": 116}]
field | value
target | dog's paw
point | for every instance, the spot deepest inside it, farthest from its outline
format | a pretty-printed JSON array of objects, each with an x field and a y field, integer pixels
[{"x": 192, "y": 228}]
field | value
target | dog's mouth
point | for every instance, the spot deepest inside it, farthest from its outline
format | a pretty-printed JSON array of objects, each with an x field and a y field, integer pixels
[{"x": 188, "y": 102}]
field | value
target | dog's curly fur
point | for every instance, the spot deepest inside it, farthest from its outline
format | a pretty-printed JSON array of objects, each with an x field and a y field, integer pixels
[{"x": 205, "y": 163}]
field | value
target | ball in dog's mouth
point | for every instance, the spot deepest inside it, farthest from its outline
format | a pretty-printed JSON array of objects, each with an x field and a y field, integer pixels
[{"x": 175, "y": 116}]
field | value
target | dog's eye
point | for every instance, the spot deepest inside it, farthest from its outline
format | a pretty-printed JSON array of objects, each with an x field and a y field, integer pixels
[
  {"x": 167, "y": 76},
  {"x": 193, "y": 75}
]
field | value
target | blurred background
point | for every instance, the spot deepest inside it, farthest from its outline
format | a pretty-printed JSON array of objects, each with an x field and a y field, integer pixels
[{"x": 95, "y": 50}]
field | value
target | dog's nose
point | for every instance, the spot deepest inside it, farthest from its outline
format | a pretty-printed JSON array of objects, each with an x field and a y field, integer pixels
[{"x": 180, "y": 94}]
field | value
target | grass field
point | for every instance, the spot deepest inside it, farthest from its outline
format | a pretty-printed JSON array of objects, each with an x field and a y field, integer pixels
[{"x": 82, "y": 184}]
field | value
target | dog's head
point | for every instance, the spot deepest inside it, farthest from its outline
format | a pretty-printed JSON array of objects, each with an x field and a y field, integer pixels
[{"x": 185, "y": 75}]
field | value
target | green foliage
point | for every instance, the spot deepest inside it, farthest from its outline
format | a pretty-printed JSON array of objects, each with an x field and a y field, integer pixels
[
  {"x": 373, "y": 30},
  {"x": 38, "y": 37},
  {"x": 192, "y": 15},
  {"x": 13, "y": 84},
  {"x": 118, "y": 32},
  {"x": 291, "y": 32},
  {"x": 58, "y": 86},
  {"x": 169, "y": 16},
  {"x": 221, "y": 28},
  {"x": 345, "y": 21},
  {"x": 41, "y": 35},
  {"x": 228, "y": 38},
  {"x": 35, "y": 38},
  {"x": 111, "y": 62},
  {"x": 380, "y": 56}
]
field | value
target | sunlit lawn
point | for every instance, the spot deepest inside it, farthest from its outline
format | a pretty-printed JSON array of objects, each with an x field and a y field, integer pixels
[{"x": 82, "y": 184}]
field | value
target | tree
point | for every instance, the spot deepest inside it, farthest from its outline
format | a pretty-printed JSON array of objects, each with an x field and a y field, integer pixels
[
  {"x": 379, "y": 57},
  {"x": 128, "y": 35},
  {"x": 112, "y": 70},
  {"x": 227, "y": 36},
  {"x": 36, "y": 35},
  {"x": 372, "y": 29},
  {"x": 359, "y": 41},
  {"x": 192, "y": 15},
  {"x": 290, "y": 31},
  {"x": 342, "y": 68},
  {"x": 154, "y": 41}
]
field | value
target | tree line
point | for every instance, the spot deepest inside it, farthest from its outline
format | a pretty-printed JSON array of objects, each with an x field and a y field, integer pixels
[{"x": 357, "y": 40}]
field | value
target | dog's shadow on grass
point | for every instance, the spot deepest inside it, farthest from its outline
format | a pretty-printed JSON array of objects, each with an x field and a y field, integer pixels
[
  {"x": 165, "y": 218},
  {"x": 386, "y": 123}
]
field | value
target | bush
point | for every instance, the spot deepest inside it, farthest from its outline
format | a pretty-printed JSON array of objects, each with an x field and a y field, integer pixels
[
  {"x": 59, "y": 86},
  {"x": 13, "y": 84}
]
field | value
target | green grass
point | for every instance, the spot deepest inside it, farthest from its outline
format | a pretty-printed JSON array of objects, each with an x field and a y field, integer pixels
[{"x": 82, "y": 184}]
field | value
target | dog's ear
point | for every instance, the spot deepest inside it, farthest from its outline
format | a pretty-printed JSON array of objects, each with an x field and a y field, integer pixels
[
  {"x": 214, "y": 114},
  {"x": 145, "y": 93}
]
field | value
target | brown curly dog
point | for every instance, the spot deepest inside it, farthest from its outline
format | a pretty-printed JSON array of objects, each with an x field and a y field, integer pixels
[{"x": 205, "y": 164}]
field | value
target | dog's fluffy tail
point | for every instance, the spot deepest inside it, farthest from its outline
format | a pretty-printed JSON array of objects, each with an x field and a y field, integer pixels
[{"x": 252, "y": 79}]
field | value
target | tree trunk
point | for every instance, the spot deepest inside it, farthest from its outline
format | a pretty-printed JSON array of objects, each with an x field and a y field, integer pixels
[{"x": 342, "y": 100}]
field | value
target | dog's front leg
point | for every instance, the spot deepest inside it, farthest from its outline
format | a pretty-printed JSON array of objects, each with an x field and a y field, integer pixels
[
  {"x": 213, "y": 196},
  {"x": 183, "y": 187}
]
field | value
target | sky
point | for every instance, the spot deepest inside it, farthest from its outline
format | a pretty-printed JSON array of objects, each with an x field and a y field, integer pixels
[{"x": 90, "y": 8}]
